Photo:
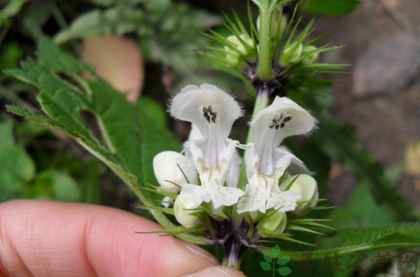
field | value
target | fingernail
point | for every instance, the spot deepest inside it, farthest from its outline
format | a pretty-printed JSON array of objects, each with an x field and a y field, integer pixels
[
  {"x": 201, "y": 252},
  {"x": 217, "y": 271}
]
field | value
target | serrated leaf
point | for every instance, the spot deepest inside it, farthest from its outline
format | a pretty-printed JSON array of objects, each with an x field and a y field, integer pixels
[
  {"x": 265, "y": 266},
  {"x": 368, "y": 239},
  {"x": 275, "y": 251},
  {"x": 284, "y": 271},
  {"x": 57, "y": 60}
]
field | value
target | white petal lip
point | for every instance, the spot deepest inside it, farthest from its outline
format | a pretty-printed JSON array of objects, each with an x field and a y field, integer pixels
[
  {"x": 263, "y": 193},
  {"x": 188, "y": 105},
  {"x": 302, "y": 122},
  {"x": 192, "y": 196}
]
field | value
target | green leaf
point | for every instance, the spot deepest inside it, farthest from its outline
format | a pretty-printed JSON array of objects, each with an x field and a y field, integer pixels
[
  {"x": 284, "y": 271},
  {"x": 11, "y": 9},
  {"x": 265, "y": 266},
  {"x": 16, "y": 166},
  {"x": 275, "y": 251},
  {"x": 268, "y": 257},
  {"x": 54, "y": 185},
  {"x": 332, "y": 7},
  {"x": 283, "y": 260},
  {"x": 57, "y": 60},
  {"x": 12, "y": 53},
  {"x": 361, "y": 210},
  {"x": 368, "y": 239},
  {"x": 153, "y": 110}
]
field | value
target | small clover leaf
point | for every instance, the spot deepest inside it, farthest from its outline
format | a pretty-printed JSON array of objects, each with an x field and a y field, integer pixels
[
  {"x": 265, "y": 266},
  {"x": 284, "y": 271},
  {"x": 268, "y": 257},
  {"x": 283, "y": 260},
  {"x": 275, "y": 251}
]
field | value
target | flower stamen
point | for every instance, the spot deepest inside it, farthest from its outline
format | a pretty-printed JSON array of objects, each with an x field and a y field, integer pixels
[
  {"x": 208, "y": 114},
  {"x": 279, "y": 121}
]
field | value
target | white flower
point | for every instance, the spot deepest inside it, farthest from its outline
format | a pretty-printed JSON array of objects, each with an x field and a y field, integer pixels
[
  {"x": 213, "y": 112},
  {"x": 266, "y": 162},
  {"x": 169, "y": 168}
]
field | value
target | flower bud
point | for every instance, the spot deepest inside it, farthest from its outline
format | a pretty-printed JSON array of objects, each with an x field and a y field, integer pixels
[
  {"x": 306, "y": 186},
  {"x": 167, "y": 167},
  {"x": 291, "y": 54},
  {"x": 275, "y": 222},
  {"x": 311, "y": 58},
  {"x": 234, "y": 57},
  {"x": 184, "y": 216}
]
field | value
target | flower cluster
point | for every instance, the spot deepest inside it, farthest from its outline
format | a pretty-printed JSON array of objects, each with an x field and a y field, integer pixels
[{"x": 206, "y": 176}]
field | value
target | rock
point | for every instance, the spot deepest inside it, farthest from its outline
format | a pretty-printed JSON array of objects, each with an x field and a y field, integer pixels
[{"x": 387, "y": 66}]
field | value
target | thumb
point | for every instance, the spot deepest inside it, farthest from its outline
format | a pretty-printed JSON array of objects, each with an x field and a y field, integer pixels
[{"x": 44, "y": 238}]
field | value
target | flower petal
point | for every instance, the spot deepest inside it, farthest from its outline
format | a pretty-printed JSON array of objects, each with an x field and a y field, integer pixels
[
  {"x": 255, "y": 197},
  {"x": 192, "y": 196},
  {"x": 208, "y": 107},
  {"x": 283, "y": 201},
  {"x": 269, "y": 160},
  {"x": 283, "y": 118},
  {"x": 234, "y": 170},
  {"x": 263, "y": 194}
]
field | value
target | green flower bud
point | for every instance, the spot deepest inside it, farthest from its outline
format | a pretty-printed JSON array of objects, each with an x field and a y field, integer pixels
[
  {"x": 291, "y": 54},
  {"x": 306, "y": 186},
  {"x": 234, "y": 56},
  {"x": 276, "y": 222},
  {"x": 311, "y": 58},
  {"x": 167, "y": 167},
  {"x": 185, "y": 217}
]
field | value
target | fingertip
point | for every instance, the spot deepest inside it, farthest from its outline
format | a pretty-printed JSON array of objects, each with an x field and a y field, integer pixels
[
  {"x": 217, "y": 271},
  {"x": 51, "y": 237}
]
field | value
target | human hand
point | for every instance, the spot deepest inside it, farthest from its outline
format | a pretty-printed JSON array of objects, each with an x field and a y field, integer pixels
[{"x": 44, "y": 238}]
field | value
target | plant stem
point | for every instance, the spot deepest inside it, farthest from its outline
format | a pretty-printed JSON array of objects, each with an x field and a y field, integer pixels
[
  {"x": 262, "y": 100},
  {"x": 263, "y": 97},
  {"x": 264, "y": 54}
]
